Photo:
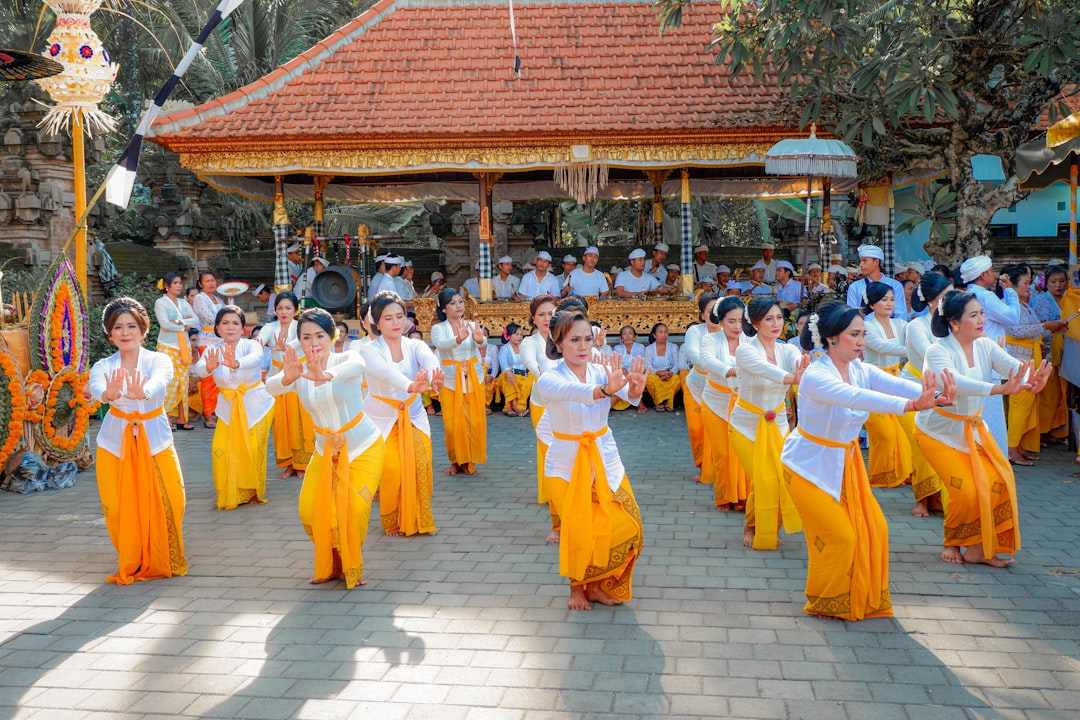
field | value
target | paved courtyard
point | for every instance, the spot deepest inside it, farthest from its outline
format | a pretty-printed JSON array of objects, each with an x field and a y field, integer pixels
[{"x": 472, "y": 621}]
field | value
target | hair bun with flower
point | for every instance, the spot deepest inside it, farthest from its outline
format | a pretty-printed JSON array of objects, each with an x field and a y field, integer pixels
[
  {"x": 918, "y": 292},
  {"x": 815, "y": 335},
  {"x": 746, "y": 314}
]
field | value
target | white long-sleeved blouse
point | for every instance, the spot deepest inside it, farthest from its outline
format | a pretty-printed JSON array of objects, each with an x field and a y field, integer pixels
[
  {"x": 691, "y": 350},
  {"x": 173, "y": 319},
  {"x": 917, "y": 338},
  {"x": 880, "y": 349},
  {"x": 389, "y": 379},
  {"x": 715, "y": 359},
  {"x": 836, "y": 410},
  {"x": 257, "y": 402},
  {"x": 571, "y": 410},
  {"x": 761, "y": 383},
  {"x": 637, "y": 350},
  {"x": 335, "y": 403},
  {"x": 206, "y": 307},
  {"x": 510, "y": 360},
  {"x": 445, "y": 342},
  {"x": 157, "y": 368},
  {"x": 268, "y": 337},
  {"x": 668, "y": 361},
  {"x": 973, "y": 385},
  {"x": 534, "y": 355}
]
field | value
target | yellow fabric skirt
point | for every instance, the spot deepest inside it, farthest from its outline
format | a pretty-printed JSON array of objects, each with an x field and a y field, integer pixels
[
  {"x": 925, "y": 482},
  {"x": 767, "y": 478},
  {"x": 615, "y": 577},
  {"x": 663, "y": 392},
  {"x": 890, "y": 461},
  {"x": 464, "y": 430},
  {"x": 249, "y": 484},
  {"x": 1023, "y": 421},
  {"x": 404, "y": 509},
  {"x": 730, "y": 483},
  {"x": 176, "y": 393},
  {"x": 519, "y": 390},
  {"x": 143, "y": 556},
  {"x": 834, "y": 532},
  {"x": 535, "y": 413},
  {"x": 344, "y": 557},
  {"x": 492, "y": 390},
  {"x": 963, "y": 519},
  {"x": 694, "y": 426},
  {"x": 294, "y": 432},
  {"x": 1053, "y": 412}
]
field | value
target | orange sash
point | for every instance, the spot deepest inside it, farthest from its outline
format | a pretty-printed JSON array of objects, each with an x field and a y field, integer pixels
[
  {"x": 978, "y": 473},
  {"x": 142, "y": 546},
  {"x": 586, "y": 537},
  {"x": 866, "y": 570},
  {"x": 334, "y": 480},
  {"x": 410, "y": 498},
  {"x": 185, "y": 347},
  {"x": 770, "y": 493}
]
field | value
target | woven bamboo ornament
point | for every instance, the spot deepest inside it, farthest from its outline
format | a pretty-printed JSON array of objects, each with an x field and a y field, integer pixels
[
  {"x": 584, "y": 176},
  {"x": 88, "y": 72}
]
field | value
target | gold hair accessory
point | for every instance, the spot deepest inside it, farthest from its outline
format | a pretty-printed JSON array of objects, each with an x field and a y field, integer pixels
[{"x": 161, "y": 284}]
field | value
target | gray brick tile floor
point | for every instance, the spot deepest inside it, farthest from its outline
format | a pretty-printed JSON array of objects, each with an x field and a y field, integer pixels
[{"x": 471, "y": 622}]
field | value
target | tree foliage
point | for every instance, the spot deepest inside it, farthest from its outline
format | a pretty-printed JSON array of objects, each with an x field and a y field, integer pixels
[{"x": 915, "y": 84}]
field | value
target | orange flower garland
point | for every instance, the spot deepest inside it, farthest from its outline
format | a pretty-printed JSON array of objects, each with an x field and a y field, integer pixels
[
  {"x": 18, "y": 402},
  {"x": 37, "y": 413},
  {"x": 78, "y": 403},
  {"x": 56, "y": 325}
]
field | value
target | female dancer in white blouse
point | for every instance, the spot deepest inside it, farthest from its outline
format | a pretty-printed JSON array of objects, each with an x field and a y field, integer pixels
[
  {"x": 758, "y": 421},
  {"x": 925, "y": 482},
  {"x": 460, "y": 344},
  {"x": 138, "y": 473},
  {"x": 694, "y": 380},
  {"x": 175, "y": 316},
  {"x": 206, "y": 306},
  {"x": 335, "y": 499},
  {"x": 720, "y": 465},
  {"x": 662, "y": 363},
  {"x": 601, "y": 540},
  {"x": 534, "y": 354},
  {"x": 847, "y": 536},
  {"x": 239, "y": 447},
  {"x": 294, "y": 432},
  {"x": 890, "y": 449},
  {"x": 393, "y": 403},
  {"x": 981, "y": 515}
]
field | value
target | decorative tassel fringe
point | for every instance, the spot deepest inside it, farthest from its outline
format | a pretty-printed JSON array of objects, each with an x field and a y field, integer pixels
[
  {"x": 582, "y": 181},
  {"x": 813, "y": 165},
  {"x": 59, "y": 119}
]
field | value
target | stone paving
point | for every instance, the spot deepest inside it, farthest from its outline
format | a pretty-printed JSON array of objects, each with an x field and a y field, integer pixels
[{"x": 472, "y": 621}]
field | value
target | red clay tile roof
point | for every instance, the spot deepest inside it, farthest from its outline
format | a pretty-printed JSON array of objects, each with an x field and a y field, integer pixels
[{"x": 444, "y": 68}]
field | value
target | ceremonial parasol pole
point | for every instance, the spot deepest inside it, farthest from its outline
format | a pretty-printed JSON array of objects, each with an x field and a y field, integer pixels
[
  {"x": 812, "y": 157},
  {"x": 87, "y": 76}
]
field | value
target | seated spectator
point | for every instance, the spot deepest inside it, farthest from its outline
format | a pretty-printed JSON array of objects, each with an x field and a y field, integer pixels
[
  {"x": 662, "y": 364},
  {"x": 515, "y": 383}
]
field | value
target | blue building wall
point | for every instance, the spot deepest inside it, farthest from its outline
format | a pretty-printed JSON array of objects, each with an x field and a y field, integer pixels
[{"x": 1038, "y": 215}]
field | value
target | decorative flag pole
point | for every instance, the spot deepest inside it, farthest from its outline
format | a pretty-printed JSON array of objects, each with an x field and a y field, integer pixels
[{"x": 686, "y": 255}]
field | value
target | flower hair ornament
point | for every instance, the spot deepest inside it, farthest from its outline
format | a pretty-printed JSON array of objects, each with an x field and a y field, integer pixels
[
  {"x": 918, "y": 290},
  {"x": 746, "y": 314},
  {"x": 815, "y": 336},
  {"x": 941, "y": 307},
  {"x": 161, "y": 284},
  {"x": 505, "y": 336}
]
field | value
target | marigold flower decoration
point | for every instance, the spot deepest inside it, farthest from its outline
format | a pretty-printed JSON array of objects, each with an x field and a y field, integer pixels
[
  {"x": 18, "y": 402},
  {"x": 36, "y": 384},
  {"x": 81, "y": 418},
  {"x": 56, "y": 326}
]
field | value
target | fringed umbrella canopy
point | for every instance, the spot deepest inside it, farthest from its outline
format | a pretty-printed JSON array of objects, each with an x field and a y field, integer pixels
[
  {"x": 18, "y": 65},
  {"x": 811, "y": 157}
]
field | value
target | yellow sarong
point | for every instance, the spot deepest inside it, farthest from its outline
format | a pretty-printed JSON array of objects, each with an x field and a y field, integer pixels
[
  {"x": 730, "y": 483},
  {"x": 601, "y": 531},
  {"x": 239, "y": 454},
  {"x": 890, "y": 450},
  {"x": 142, "y": 497},
  {"x": 663, "y": 392},
  {"x": 406, "y": 485},
  {"x": 535, "y": 413},
  {"x": 1023, "y": 413},
  {"x": 847, "y": 542},
  {"x": 1053, "y": 410},
  {"x": 294, "y": 432},
  {"x": 694, "y": 426},
  {"x": 520, "y": 389},
  {"x": 981, "y": 489},
  {"x": 768, "y": 504},
  {"x": 464, "y": 419},
  {"x": 176, "y": 393},
  {"x": 335, "y": 503}
]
